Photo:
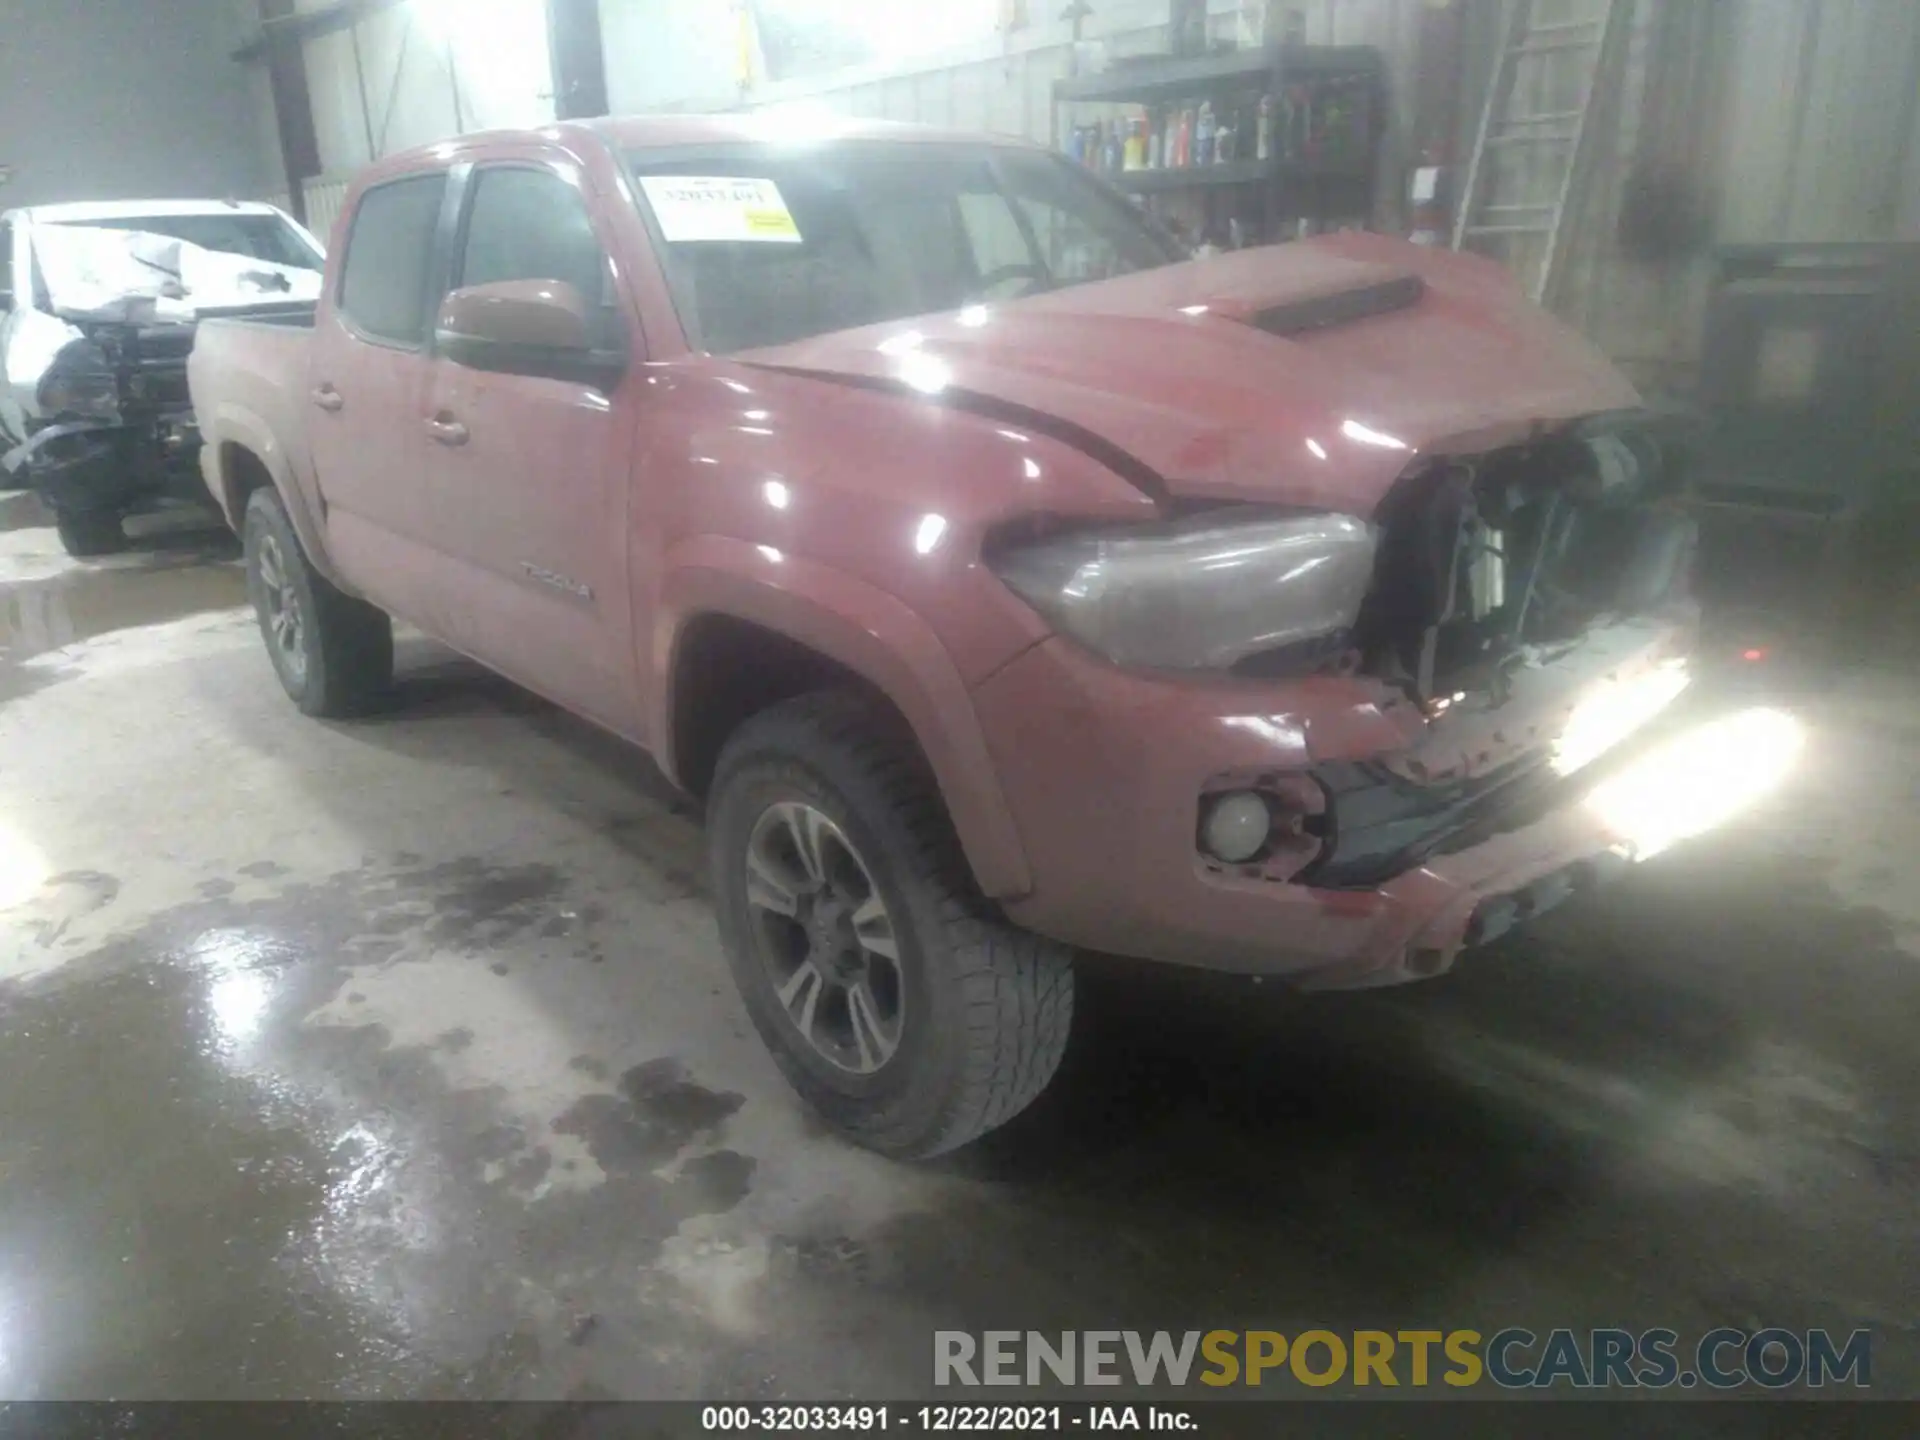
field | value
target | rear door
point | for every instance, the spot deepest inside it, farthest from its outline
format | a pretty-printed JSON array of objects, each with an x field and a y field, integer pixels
[
  {"x": 366, "y": 398},
  {"x": 533, "y": 471}
]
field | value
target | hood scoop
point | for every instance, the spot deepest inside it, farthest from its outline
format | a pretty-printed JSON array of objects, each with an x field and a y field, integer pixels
[{"x": 1341, "y": 307}]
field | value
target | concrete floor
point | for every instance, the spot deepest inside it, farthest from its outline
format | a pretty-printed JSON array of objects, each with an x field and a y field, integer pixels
[{"x": 398, "y": 1059}]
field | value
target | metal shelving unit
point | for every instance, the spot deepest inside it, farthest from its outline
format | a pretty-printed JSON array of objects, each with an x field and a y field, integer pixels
[
  {"x": 1146, "y": 79},
  {"x": 1284, "y": 185}
]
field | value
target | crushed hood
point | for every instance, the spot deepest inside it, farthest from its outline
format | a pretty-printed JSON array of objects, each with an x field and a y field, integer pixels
[
  {"x": 98, "y": 273},
  {"x": 1304, "y": 374}
]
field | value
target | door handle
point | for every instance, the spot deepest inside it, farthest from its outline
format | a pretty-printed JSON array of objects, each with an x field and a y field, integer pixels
[
  {"x": 329, "y": 399},
  {"x": 447, "y": 431}
]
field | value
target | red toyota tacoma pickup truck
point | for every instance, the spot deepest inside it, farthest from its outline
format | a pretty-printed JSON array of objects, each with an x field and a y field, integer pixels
[{"x": 1008, "y": 583}]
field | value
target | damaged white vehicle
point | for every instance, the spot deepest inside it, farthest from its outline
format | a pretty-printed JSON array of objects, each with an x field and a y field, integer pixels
[{"x": 98, "y": 304}]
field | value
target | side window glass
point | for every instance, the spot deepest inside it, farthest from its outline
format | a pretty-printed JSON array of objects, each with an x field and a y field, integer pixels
[
  {"x": 383, "y": 278},
  {"x": 1076, "y": 248},
  {"x": 1075, "y": 251},
  {"x": 529, "y": 224},
  {"x": 993, "y": 233}
]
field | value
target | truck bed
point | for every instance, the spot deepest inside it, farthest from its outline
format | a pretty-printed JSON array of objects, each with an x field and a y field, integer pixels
[
  {"x": 297, "y": 314},
  {"x": 251, "y": 374}
]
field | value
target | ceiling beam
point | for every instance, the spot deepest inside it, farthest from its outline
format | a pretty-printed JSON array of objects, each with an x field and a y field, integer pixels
[{"x": 308, "y": 24}]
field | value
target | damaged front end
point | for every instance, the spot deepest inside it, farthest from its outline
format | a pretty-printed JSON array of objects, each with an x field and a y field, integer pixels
[
  {"x": 97, "y": 411},
  {"x": 109, "y": 424},
  {"x": 1535, "y": 604}
]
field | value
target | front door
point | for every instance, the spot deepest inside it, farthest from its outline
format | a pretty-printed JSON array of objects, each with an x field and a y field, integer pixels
[{"x": 532, "y": 472}]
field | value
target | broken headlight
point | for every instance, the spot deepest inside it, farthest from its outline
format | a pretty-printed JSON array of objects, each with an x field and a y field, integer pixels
[
  {"x": 1201, "y": 593},
  {"x": 80, "y": 382}
]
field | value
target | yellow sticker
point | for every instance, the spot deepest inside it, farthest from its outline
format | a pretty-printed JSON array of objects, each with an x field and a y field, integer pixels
[{"x": 773, "y": 223}]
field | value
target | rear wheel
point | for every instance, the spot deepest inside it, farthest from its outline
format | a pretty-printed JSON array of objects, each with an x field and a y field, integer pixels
[
  {"x": 85, "y": 533},
  {"x": 894, "y": 999},
  {"x": 332, "y": 652}
]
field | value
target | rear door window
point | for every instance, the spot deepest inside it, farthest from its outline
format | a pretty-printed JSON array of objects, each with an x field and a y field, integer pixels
[{"x": 384, "y": 274}]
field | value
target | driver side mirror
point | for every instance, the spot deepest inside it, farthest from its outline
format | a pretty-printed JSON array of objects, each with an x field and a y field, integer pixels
[{"x": 525, "y": 327}]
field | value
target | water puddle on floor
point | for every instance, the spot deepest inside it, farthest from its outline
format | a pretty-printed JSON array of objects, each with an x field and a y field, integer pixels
[{"x": 48, "y": 600}]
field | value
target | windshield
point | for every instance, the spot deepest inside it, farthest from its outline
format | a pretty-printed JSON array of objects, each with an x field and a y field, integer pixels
[
  {"x": 258, "y": 237},
  {"x": 763, "y": 246}
]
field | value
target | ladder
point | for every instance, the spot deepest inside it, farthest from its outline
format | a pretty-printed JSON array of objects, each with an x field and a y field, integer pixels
[{"x": 1560, "y": 140}]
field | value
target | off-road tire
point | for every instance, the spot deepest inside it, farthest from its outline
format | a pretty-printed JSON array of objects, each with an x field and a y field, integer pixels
[
  {"x": 344, "y": 645},
  {"x": 87, "y": 533},
  {"x": 990, "y": 1004}
]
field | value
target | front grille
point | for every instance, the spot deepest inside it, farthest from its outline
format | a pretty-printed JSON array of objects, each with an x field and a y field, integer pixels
[
  {"x": 150, "y": 364},
  {"x": 161, "y": 385},
  {"x": 1380, "y": 824}
]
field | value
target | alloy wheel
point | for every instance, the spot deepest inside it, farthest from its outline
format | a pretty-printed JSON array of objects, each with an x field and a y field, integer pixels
[
  {"x": 825, "y": 938},
  {"x": 280, "y": 610}
]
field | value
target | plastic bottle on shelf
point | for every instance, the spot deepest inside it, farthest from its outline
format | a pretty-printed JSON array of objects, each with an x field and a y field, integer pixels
[
  {"x": 1134, "y": 156},
  {"x": 1203, "y": 134},
  {"x": 1263, "y": 129},
  {"x": 1305, "y": 123},
  {"x": 1334, "y": 123},
  {"x": 1156, "y": 140}
]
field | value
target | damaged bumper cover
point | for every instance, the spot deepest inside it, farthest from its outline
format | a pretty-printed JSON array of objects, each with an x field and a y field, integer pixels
[
  {"x": 1108, "y": 772},
  {"x": 88, "y": 466}
]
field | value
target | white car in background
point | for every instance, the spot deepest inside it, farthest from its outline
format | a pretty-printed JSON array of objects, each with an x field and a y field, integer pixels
[{"x": 98, "y": 304}]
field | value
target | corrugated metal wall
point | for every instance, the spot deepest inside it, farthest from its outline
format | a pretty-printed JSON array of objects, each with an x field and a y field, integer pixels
[
  {"x": 416, "y": 73},
  {"x": 1629, "y": 309},
  {"x": 1820, "y": 122},
  {"x": 1793, "y": 119}
]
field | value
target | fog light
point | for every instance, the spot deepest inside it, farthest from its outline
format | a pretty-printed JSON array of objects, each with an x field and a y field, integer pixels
[{"x": 1236, "y": 827}]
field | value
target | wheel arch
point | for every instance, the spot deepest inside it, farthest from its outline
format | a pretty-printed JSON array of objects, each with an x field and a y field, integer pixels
[
  {"x": 726, "y": 605},
  {"x": 241, "y": 456}
]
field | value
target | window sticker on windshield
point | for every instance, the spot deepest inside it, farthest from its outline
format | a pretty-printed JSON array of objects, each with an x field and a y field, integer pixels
[{"x": 719, "y": 207}]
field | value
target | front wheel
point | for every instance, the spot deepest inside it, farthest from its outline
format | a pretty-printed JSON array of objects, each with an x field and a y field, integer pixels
[
  {"x": 905, "y": 1011},
  {"x": 332, "y": 652}
]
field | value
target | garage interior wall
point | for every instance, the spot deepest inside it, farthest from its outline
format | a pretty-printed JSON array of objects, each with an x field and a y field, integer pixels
[
  {"x": 409, "y": 72},
  {"x": 128, "y": 99},
  {"x": 1797, "y": 119},
  {"x": 1796, "y": 122},
  {"x": 1833, "y": 90}
]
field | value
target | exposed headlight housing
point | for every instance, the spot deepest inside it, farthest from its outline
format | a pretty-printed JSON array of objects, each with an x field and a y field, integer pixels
[
  {"x": 79, "y": 383},
  {"x": 1201, "y": 593}
]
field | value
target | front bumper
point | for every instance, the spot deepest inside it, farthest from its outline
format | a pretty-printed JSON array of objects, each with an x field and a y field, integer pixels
[
  {"x": 119, "y": 468},
  {"x": 1104, "y": 772}
]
